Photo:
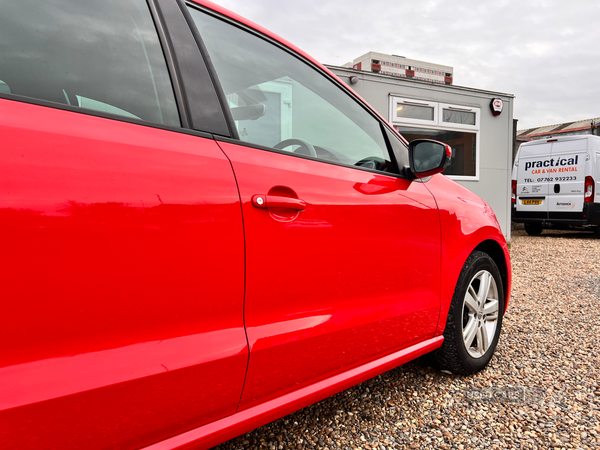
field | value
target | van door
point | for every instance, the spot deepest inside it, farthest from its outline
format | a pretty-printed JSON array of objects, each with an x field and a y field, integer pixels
[
  {"x": 567, "y": 178},
  {"x": 533, "y": 187}
]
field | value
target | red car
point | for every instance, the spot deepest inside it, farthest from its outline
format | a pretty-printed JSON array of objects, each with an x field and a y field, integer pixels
[{"x": 202, "y": 229}]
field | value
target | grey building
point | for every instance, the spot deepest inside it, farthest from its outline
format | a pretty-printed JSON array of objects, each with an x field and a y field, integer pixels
[{"x": 477, "y": 124}]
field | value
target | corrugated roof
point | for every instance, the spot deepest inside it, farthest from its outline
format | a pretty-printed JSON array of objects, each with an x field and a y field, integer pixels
[
  {"x": 558, "y": 128},
  {"x": 563, "y": 126}
]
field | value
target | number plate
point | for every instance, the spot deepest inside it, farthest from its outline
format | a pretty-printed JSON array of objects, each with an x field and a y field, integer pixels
[{"x": 531, "y": 202}]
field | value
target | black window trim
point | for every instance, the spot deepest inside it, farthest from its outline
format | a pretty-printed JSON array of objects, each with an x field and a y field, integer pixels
[
  {"x": 206, "y": 114},
  {"x": 184, "y": 4},
  {"x": 172, "y": 65},
  {"x": 400, "y": 171}
]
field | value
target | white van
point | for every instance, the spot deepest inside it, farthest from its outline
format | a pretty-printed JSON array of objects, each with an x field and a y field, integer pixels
[{"x": 554, "y": 183}]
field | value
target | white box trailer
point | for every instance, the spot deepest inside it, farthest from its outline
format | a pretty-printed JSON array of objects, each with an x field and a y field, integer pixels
[{"x": 555, "y": 182}]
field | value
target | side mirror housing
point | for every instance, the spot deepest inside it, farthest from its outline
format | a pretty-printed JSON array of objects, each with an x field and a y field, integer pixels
[{"x": 428, "y": 157}]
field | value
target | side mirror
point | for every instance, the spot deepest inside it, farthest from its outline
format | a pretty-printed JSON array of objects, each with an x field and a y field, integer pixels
[{"x": 427, "y": 157}]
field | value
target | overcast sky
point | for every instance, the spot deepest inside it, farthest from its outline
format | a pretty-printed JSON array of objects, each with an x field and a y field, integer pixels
[{"x": 545, "y": 52}]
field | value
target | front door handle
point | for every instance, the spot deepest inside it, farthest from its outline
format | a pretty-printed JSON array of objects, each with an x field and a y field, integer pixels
[{"x": 274, "y": 201}]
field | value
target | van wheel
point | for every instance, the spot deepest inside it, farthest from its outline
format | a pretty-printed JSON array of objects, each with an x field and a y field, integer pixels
[
  {"x": 534, "y": 229},
  {"x": 474, "y": 318},
  {"x": 597, "y": 230}
]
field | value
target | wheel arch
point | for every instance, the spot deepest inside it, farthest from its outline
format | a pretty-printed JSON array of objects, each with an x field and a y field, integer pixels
[{"x": 496, "y": 252}]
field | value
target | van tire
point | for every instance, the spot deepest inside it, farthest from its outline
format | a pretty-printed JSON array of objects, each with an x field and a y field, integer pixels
[
  {"x": 534, "y": 229},
  {"x": 597, "y": 230},
  {"x": 455, "y": 355}
]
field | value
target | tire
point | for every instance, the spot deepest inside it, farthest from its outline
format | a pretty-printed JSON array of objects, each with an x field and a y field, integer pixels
[
  {"x": 597, "y": 230},
  {"x": 533, "y": 229},
  {"x": 466, "y": 355}
]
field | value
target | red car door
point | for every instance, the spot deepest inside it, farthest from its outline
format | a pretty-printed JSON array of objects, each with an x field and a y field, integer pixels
[
  {"x": 342, "y": 251},
  {"x": 352, "y": 276},
  {"x": 121, "y": 239}
]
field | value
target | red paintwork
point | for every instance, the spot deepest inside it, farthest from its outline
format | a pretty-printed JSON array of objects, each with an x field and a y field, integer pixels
[
  {"x": 366, "y": 252},
  {"x": 241, "y": 422},
  {"x": 151, "y": 301},
  {"x": 467, "y": 221},
  {"x": 121, "y": 281}
]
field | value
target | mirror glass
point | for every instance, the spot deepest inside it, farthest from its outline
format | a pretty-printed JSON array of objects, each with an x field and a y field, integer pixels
[{"x": 428, "y": 156}]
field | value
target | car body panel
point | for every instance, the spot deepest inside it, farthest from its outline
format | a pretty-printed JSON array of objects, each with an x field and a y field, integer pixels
[
  {"x": 122, "y": 277},
  {"x": 212, "y": 434},
  {"x": 360, "y": 265},
  {"x": 466, "y": 222}
]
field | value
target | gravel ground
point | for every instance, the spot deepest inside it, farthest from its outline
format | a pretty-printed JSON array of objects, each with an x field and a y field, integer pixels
[{"x": 541, "y": 389}]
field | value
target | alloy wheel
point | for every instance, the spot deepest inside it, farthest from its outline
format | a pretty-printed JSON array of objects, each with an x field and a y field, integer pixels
[{"x": 480, "y": 314}]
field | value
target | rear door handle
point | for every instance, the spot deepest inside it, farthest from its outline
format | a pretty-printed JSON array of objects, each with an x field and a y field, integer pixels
[{"x": 274, "y": 201}]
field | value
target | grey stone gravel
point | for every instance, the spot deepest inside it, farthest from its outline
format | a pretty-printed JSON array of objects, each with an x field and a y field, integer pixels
[{"x": 541, "y": 389}]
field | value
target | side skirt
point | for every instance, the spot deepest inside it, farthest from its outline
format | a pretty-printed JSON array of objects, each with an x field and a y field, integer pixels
[{"x": 214, "y": 433}]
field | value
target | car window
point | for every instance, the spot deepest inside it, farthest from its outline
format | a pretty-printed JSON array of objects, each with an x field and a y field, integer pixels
[
  {"x": 279, "y": 101},
  {"x": 99, "y": 55}
]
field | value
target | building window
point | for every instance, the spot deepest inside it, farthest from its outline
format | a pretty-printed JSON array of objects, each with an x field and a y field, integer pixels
[
  {"x": 451, "y": 116},
  {"x": 456, "y": 125},
  {"x": 459, "y": 116},
  {"x": 414, "y": 112}
]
